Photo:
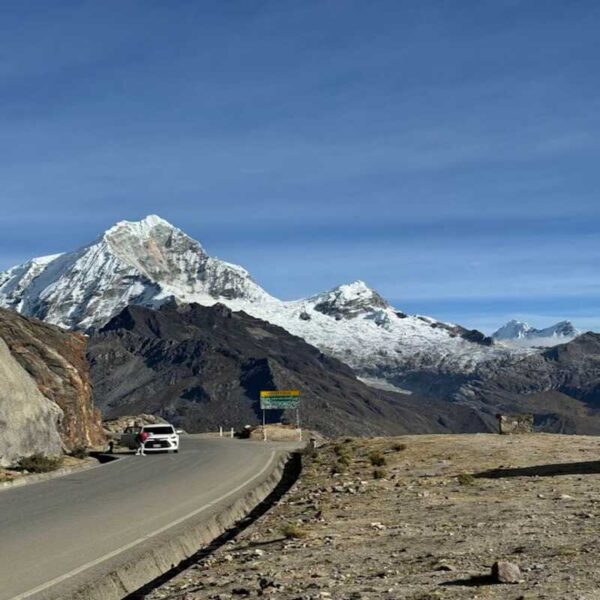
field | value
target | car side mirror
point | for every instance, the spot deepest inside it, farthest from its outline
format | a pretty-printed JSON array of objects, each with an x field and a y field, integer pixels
[{"x": 179, "y": 431}]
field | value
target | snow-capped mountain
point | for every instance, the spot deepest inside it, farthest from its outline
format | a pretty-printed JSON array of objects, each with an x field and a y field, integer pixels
[
  {"x": 524, "y": 334},
  {"x": 513, "y": 330},
  {"x": 561, "y": 330},
  {"x": 150, "y": 262},
  {"x": 142, "y": 262}
]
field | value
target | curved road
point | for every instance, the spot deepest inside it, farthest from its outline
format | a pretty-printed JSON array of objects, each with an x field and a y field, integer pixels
[{"x": 59, "y": 529}]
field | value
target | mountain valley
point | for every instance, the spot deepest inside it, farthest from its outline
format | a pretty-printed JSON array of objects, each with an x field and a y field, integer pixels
[{"x": 437, "y": 366}]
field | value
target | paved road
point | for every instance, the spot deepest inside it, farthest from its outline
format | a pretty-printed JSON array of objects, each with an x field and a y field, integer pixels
[{"x": 61, "y": 526}]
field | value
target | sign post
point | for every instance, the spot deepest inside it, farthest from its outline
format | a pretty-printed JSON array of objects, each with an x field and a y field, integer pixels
[{"x": 280, "y": 400}]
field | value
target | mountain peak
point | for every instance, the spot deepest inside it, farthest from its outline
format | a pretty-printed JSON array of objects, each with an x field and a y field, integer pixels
[
  {"x": 348, "y": 300},
  {"x": 513, "y": 330},
  {"x": 560, "y": 329},
  {"x": 356, "y": 287},
  {"x": 141, "y": 228},
  {"x": 518, "y": 330},
  {"x": 142, "y": 262}
]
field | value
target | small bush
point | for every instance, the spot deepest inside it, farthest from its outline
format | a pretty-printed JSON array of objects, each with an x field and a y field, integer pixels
[
  {"x": 466, "y": 479},
  {"x": 293, "y": 531},
  {"x": 344, "y": 460},
  {"x": 79, "y": 452},
  {"x": 379, "y": 474},
  {"x": 309, "y": 455},
  {"x": 338, "y": 468},
  {"x": 398, "y": 447},
  {"x": 377, "y": 459},
  {"x": 342, "y": 451},
  {"x": 38, "y": 463}
]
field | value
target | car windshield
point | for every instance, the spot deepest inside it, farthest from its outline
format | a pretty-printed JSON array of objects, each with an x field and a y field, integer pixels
[{"x": 164, "y": 429}]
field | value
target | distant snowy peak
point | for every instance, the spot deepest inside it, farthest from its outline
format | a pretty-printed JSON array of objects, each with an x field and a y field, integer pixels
[
  {"x": 348, "y": 301},
  {"x": 513, "y": 330},
  {"x": 519, "y": 331},
  {"x": 563, "y": 329}
]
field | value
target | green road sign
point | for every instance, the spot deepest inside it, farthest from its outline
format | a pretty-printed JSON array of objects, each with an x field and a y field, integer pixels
[{"x": 279, "y": 399}]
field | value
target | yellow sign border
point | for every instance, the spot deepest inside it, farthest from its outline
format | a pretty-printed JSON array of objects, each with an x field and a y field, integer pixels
[{"x": 272, "y": 393}]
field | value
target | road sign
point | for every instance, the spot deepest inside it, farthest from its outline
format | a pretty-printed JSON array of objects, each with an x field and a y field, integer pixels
[{"x": 279, "y": 399}]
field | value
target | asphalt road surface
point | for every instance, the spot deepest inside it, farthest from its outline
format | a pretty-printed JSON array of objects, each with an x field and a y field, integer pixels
[{"x": 61, "y": 528}]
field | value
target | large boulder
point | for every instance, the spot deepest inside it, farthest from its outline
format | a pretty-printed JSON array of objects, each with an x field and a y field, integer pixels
[
  {"x": 29, "y": 422},
  {"x": 56, "y": 360}
]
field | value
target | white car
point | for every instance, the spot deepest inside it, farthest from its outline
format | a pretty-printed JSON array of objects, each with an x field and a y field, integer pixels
[{"x": 162, "y": 437}]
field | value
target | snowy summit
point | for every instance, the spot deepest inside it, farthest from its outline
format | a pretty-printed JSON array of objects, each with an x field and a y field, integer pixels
[{"x": 524, "y": 334}]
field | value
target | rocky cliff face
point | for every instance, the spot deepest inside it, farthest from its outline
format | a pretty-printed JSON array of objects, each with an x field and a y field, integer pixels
[
  {"x": 29, "y": 422},
  {"x": 56, "y": 361},
  {"x": 202, "y": 367}
]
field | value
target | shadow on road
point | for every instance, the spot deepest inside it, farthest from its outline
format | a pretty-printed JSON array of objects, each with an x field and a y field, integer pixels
[
  {"x": 577, "y": 468},
  {"x": 104, "y": 457}
]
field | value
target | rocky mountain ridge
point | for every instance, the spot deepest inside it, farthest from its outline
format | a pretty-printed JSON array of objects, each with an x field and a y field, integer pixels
[
  {"x": 203, "y": 367},
  {"x": 559, "y": 385},
  {"x": 150, "y": 262}
]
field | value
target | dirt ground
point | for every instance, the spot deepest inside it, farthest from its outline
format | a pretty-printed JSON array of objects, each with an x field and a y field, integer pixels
[{"x": 426, "y": 521}]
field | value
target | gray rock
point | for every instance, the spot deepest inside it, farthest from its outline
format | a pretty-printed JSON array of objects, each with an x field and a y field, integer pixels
[
  {"x": 506, "y": 572},
  {"x": 29, "y": 422}
]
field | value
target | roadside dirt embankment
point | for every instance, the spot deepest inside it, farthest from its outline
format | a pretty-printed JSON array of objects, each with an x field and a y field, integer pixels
[{"x": 421, "y": 518}]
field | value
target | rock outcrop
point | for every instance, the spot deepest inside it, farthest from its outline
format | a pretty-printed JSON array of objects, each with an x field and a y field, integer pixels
[
  {"x": 28, "y": 421},
  {"x": 56, "y": 362}
]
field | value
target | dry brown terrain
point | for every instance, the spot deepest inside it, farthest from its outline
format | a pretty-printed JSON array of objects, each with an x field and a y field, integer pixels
[{"x": 425, "y": 529}]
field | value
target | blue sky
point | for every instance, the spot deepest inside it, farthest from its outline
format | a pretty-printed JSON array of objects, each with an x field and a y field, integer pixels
[{"x": 445, "y": 152}]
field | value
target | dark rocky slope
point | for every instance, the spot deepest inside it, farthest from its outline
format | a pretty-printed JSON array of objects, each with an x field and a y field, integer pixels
[
  {"x": 560, "y": 385},
  {"x": 56, "y": 360},
  {"x": 202, "y": 367}
]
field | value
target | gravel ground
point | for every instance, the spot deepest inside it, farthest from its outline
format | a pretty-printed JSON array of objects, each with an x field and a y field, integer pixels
[{"x": 426, "y": 521}]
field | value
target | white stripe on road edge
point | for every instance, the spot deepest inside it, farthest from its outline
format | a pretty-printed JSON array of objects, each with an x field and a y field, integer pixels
[{"x": 114, "y": 553}]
